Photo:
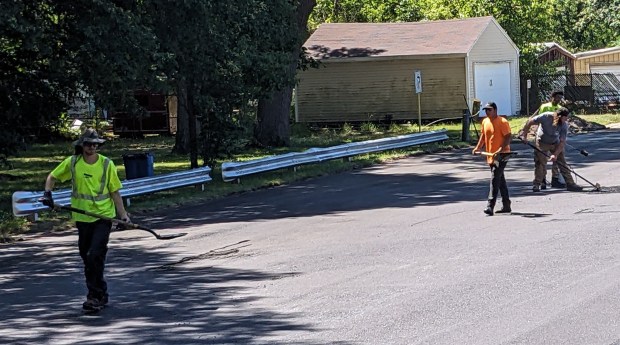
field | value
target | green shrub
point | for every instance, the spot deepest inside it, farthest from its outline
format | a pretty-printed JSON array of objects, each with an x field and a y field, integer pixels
[
  {"x": 369, "y": 128},
  {"x": 62, "y": 127},
  {"x": 347, "y": 129}
]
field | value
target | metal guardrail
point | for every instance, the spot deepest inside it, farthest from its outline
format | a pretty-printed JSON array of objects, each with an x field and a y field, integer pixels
[
  {"x": 232, "y": 171},
  {"x": 27, "y": 203}
]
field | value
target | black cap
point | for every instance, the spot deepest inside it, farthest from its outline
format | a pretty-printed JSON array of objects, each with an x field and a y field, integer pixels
[
  {"x": 562, "y": 111},
  {"x": 490, "y": 105}
]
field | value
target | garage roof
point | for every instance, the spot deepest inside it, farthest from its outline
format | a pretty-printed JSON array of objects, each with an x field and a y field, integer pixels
[
  {"x": 443, "y": 37},
  {"x": 598, "y": 52}
]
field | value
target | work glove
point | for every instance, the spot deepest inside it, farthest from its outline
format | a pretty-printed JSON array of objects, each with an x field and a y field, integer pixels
[
  {"x": 47, "y": 199},
  {"x": 120, "y": 227}
]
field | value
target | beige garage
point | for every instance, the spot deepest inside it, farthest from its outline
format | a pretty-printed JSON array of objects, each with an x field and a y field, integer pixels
[
  {"x": 367, "y": 70},
  {"x": 599, "y": 61}
]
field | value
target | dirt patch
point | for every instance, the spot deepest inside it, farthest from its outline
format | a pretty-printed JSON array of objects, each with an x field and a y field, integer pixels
[{"x": 577, "y": 125}]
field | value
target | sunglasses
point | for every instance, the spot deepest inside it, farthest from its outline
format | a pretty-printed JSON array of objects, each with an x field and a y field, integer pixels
[{"x": 90, "y": 144}]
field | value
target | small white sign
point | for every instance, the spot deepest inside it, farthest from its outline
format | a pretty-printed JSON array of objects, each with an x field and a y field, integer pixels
[
  {"x": 529, "y": 83},
  {"x": 417, "y": 79}
]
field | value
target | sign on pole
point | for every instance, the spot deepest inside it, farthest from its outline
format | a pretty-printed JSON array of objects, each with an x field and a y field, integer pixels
[
  {"x": 417, "y": 81},
  {"x": 417, "y": 78},
  {"x": 527, "y": 96}
]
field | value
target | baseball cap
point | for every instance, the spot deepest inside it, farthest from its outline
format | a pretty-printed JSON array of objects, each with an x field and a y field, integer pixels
[
  {"x": 557, "y": 92},
  {"x": 490, "y": 105}
]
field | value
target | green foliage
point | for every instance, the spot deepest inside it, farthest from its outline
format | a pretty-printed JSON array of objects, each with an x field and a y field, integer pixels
[
  {"x": 369, "y": 128},
  {"x": 586, "y": 24},
  {"x": 396, "y": 128},
  {"x": 347, "y": 129},
  {"x": 365, "y": 11},
  {"x": 221, "y": 55},
  {"x": 62, "y": 127},
  {"x": 530, "y": 65}
]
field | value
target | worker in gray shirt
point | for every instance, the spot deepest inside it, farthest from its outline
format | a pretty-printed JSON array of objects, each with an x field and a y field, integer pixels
[{"x": 550, "y": 139}]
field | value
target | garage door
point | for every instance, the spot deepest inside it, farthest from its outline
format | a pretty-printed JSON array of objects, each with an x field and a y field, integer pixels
[
  {"x": 492, "y": 83},
  {"x": 615, "y": 69}
]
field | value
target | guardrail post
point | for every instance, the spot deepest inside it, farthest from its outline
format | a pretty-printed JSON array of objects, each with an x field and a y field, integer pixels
[{"x": 465, "y": 129}]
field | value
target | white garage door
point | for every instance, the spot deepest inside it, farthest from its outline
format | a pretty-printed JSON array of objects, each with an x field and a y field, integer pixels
[
  {"x": 492, "y": 83},
  {"x": 615, "y": 69}
]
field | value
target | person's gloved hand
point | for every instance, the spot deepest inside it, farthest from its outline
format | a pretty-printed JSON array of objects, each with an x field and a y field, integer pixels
[
  {"x": 120, "y": 226},
  {"x": 47, "y": 199}
]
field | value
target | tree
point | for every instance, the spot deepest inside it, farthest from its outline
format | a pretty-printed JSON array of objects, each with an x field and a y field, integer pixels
[
  {"x": 585, "y": 24},
  {"x": 273, "y": 117},
  {"x": 215, "y": 56},
  {"x": 50, "y": 50},
  {"x": 31, "y": 89}
]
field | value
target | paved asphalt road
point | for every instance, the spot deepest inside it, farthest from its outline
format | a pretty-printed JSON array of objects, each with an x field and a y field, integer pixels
[{"x": 395, "y": 254}]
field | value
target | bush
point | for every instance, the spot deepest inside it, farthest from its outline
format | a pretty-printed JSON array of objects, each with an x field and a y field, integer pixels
[
  {"x": 347, "y": 129},
  {"x": 369, "y": 128}
]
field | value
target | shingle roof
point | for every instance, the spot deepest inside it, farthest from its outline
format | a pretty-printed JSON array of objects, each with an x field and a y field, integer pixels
[
  {"x": 551, "y": 45},
  {"x": 396, "y": 39},
  {"x": 603, "y": 51}
]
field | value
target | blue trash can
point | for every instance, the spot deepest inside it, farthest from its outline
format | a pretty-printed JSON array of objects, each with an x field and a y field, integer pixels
[{"x": 138, "y": 165}]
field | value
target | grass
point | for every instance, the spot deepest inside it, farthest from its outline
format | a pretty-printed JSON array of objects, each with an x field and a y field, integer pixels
[{"x": 32, "y": 166}]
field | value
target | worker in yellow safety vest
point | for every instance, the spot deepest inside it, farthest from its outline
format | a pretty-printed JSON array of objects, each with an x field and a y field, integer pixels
[{"x": 95, "y": 188}]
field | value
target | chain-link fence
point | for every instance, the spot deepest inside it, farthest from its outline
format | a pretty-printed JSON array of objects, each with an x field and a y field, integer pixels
[{"x": 582, "y": 92}]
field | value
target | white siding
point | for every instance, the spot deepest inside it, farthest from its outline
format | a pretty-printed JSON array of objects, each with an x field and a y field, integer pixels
[{"x": 495, "y": 46}]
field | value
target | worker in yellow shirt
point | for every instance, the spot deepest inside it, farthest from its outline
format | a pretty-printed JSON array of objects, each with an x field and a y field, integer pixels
[{"x": 95, "y": 188}]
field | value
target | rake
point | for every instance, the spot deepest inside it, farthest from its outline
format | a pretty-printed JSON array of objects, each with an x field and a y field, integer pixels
[{"x": 125, "y": 224}]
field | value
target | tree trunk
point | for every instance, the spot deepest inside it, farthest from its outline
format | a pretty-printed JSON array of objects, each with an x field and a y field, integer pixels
[
  {"x": 181, "y": 144},
  {"x": 273, "y": 124},
  {"x": 273, "y": 127},
  {"x": 193, "y": 142}
]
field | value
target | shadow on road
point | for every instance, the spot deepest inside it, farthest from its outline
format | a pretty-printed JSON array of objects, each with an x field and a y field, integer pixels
[
  {"x": 42, "y": 290},
  {"x": 364, "y": 190}
]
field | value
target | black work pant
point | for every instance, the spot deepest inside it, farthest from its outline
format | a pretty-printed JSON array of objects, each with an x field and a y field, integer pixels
[
  {"x": 498, "y": 182},
  {"x": 93, "y": 243}
]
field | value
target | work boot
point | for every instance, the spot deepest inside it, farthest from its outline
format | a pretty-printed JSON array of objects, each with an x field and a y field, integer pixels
[
  {"x": 104, "y": 300},
  {"x": 505, "y": 207},
  {"x": 543, "y": 185},
  {"x": 92, "y": 304},
  {"x": 490, "y": 206},
  {"x": 555, "y": 183},
  {"x": 535, "y": 188},
  {"x": 574, "y": 188}
]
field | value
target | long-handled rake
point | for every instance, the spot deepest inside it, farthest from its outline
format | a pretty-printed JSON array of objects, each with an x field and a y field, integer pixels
[
  {"x": 582, "y": 151},
  {"x": 498, "y": 157},
  {"x": 125, "y": 224},
  {"x": 597, "y": 187}
]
